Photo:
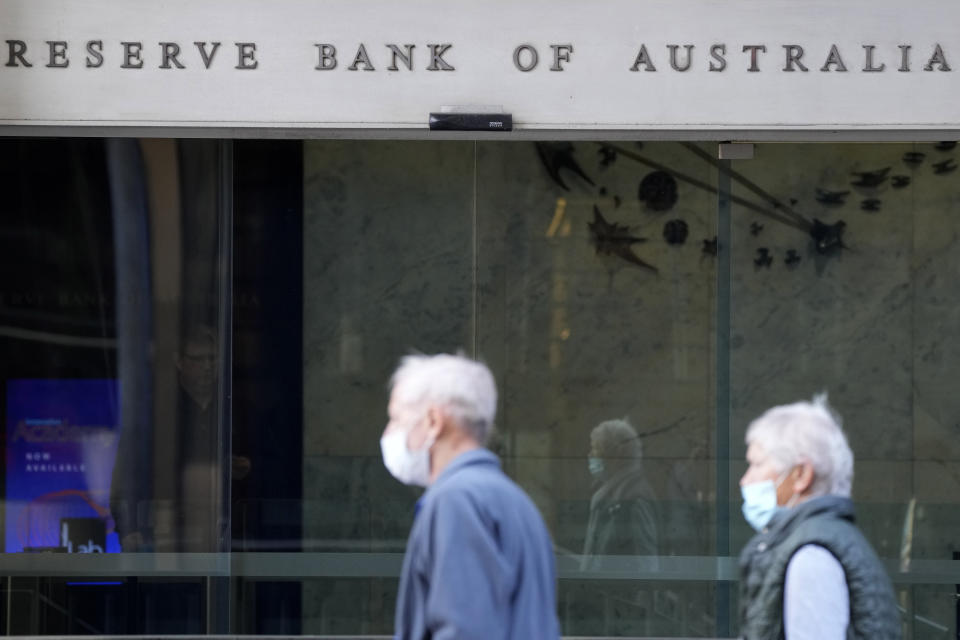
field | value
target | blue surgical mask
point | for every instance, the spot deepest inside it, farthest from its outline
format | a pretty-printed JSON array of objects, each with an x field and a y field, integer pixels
[
  {"x": 595, "y": 465},
  {"x": 760, "y": 503}
]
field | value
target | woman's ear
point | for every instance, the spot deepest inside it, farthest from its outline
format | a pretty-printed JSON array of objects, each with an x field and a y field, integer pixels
[{"x": 803, "y": 478}]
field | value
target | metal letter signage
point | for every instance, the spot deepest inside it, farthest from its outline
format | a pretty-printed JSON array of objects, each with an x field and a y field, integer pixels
[{"x": 660, "y": 65}]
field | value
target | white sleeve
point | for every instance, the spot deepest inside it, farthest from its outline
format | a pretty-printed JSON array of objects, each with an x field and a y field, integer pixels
[{"x": 816, "y": 600}]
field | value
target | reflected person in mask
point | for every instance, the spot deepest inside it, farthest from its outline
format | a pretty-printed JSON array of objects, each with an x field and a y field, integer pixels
[
  {"x": 809, "y": 572},
  {"x": 623, "y": 517}
]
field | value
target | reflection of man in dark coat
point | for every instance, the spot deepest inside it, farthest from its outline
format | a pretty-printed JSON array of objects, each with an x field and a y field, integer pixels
[
  {"x": 180, "y": 515},
  {"x": 621, "y": 536},
  {"x": 623, "y": 518},
  {"x": 200, "y": 472},
  {"x": 187, "y": 514}
]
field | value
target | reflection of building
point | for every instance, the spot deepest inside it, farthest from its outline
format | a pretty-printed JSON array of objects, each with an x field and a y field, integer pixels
[{"x": 321, "y": 257}]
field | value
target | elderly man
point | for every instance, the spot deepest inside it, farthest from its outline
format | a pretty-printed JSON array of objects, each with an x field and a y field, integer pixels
[
  {"x": 623, "y": 520},
  {"x": 809, "y": 572},
  {"x": 479, "y": 561}
]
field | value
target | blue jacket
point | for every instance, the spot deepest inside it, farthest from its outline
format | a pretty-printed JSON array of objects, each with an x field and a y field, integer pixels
[{"x": 479, "y": 562}]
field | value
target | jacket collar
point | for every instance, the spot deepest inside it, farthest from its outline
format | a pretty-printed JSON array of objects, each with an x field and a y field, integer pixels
[
  {"x": 629, "y": 480},
  {"x": 785, "y": 521},
  {"x": 479, "y": 456}
]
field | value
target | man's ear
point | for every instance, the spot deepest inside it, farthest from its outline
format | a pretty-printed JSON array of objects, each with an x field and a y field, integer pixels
[
  {"x": 803, "y": 478},
  {"x": 436, "y": 423}
]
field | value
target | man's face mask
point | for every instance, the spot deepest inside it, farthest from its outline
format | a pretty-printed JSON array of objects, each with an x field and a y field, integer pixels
[
  {"x": 409, "y": 467},
  {"x": 595, "y": 465}
]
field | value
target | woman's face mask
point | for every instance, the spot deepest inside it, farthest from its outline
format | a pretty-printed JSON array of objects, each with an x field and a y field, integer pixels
[
  {"x": 759, "y": 492},
  {"x": 760, "y": 503}
]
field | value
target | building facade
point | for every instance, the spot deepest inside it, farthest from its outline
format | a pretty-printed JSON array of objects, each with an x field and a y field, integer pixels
[{"x": 223, "y": 224}]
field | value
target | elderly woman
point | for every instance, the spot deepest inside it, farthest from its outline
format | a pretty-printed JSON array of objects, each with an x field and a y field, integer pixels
[{"x": 809, "y": 572}]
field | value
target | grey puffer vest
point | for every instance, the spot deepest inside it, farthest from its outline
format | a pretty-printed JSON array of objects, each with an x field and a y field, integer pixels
[{"x": 826, "y": 521}]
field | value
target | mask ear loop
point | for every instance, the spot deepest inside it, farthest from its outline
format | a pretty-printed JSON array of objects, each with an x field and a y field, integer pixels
[
  {"x": 796, "y": 496},
  {"x": 428, "y": 443}
]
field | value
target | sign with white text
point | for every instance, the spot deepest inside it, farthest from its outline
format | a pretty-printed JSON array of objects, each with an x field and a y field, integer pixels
[
  {"x": 60, "y": 449},
  {"x": 622, "y": 65}
]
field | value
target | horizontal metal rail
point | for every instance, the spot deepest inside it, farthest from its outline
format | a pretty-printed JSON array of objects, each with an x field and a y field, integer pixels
[
  {"x": 308, "y": 565},
  {"x": 359, "y": 637}
]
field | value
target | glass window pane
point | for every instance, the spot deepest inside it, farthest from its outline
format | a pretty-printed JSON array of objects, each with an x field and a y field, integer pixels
[
  {"x": 112, "y": 355},
  {"x": 441, "y": 246},
  {"x": 847, "y": 290},
  {"x": 387, "y": 269},
  {"x": 199, "y": 370},
  {"x": 595, "y": 296}
]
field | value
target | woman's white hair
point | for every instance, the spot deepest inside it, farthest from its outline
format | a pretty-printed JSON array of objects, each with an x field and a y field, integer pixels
[
  {"x": 807, "y": 432},
  {"x": 463, "y": 388}
]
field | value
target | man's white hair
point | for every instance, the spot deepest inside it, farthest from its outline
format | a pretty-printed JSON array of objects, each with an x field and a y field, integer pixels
[
  {"x": 463, "y": 388},
  {"x": 807, "y": 432}
]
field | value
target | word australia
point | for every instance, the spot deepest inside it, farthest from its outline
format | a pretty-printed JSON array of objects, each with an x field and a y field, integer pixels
[{"x": 792, "y": 58}]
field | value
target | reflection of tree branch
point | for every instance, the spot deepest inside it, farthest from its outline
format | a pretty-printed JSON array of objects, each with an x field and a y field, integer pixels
[
  {"x": 947, "y": 468},
  {"x": 660, "y": 430},
  {"x": 773, "y": 215},
  {"x": 750, "y": 185}
]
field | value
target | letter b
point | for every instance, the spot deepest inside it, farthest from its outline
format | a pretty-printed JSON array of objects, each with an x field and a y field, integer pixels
[{"x": 328, "y": 57}]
